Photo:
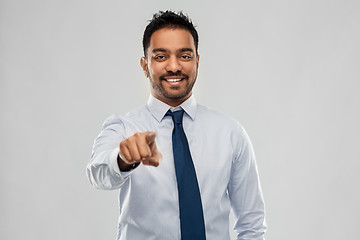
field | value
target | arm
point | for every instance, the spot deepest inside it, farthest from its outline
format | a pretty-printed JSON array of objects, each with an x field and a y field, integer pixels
[
  {"x": 114, "y": 157},
  {"x": 103, "y": 171},
  {"x": 245, "y": 193}
]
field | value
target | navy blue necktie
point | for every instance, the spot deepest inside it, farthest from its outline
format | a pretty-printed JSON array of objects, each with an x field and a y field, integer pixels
[{"x": 191, "y": 212}]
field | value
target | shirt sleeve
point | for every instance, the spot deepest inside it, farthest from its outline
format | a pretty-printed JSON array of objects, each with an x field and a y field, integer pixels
[
  {"x": 245, "y": 192},
  {"x": 103, "y": 171}
]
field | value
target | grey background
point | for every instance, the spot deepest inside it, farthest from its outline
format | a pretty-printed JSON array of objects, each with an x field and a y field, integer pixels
[{"x": 287, "y": 70}]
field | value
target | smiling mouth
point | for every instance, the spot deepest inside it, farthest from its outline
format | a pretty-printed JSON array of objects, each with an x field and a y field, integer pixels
[
  {"x": 174, "y": 77},
  {"x": 174, "y": 80}
]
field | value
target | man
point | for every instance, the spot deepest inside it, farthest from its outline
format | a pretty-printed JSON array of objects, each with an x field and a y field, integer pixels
[{"x": 179, "y": 165}]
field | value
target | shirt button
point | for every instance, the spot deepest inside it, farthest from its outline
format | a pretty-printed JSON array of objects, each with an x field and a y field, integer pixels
[{"x": 118, "y": 175}]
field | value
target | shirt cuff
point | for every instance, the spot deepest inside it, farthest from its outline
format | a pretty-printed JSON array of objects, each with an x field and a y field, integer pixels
[{"x": 114, "y": 167}]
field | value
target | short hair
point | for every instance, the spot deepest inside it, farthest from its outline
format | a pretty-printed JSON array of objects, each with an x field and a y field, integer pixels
[{"x": 169, "y": 19}]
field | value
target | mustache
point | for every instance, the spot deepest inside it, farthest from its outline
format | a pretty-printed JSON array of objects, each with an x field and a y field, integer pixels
[{"x": 174, "y": 74}]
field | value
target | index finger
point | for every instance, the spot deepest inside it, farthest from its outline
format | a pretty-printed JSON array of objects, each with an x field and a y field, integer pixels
[{"x": 150, "y": 137}]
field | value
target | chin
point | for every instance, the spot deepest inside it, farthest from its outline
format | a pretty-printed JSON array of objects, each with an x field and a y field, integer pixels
[{"x": 177, "y": 96}]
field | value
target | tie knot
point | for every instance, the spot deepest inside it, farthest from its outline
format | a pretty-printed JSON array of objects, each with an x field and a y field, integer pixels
[{"x": 176, "y": 115}]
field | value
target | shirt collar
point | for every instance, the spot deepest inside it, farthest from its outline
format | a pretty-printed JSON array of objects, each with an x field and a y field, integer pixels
[{"x": 158, "y": 108}]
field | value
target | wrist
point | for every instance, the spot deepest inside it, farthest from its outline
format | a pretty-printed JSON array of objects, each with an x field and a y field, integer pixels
[{"x": 125, "y": 167}]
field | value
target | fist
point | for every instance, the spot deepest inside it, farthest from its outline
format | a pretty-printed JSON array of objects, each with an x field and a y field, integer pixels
[{"x": 140, "y": 147}]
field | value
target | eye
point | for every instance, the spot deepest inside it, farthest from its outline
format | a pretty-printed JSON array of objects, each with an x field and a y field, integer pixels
[
  {"x": 186, "y": 57},
  {"x": 159, "y": 57}
]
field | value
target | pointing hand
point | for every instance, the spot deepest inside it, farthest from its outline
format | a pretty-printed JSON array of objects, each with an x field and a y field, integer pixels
[{"x": 140, "y": 147}]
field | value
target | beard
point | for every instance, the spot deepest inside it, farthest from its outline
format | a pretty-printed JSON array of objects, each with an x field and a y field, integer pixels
[{"x": 159, "y": 88}]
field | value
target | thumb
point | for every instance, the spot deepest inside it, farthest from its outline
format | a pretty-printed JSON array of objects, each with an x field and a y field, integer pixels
[{"x": 150, "y": 137}]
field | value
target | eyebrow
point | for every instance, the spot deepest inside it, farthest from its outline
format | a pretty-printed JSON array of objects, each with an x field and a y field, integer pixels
[
  {"x": 180, "y": 50},
  {"x": 159, "y": 50},
  {"x": 186, "y": 50}
]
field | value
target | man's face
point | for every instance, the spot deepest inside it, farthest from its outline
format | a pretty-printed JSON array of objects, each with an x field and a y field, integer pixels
[{"x": 171, "y": 65}]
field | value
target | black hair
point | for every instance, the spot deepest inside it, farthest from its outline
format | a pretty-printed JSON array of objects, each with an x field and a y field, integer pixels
[{"x": 169, "y": 19}]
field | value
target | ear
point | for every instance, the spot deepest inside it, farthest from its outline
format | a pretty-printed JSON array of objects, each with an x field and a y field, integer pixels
[
  {"x": 143, "y": 64},
  {"x": 197, "y": 60}
]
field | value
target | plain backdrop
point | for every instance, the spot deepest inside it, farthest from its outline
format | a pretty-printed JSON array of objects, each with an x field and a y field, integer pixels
[{"x": 287, "y": 70}]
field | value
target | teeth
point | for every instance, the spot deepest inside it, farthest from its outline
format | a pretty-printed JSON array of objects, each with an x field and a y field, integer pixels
[{"x": 173, "y": 80}]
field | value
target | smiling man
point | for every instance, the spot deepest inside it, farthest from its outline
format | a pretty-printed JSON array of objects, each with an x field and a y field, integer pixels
[
  {"x": 171, "y": 62},
  {"x": 179, "y": 166}
]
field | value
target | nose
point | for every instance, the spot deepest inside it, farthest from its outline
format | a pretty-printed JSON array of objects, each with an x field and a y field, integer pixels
[{"x": 173, "y": 65}]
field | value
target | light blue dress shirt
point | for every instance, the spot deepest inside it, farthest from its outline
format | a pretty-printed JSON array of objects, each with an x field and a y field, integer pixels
[{"x": 225, "y": 166}]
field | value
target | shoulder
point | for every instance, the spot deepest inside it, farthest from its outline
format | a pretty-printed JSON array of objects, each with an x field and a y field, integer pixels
[
  {"x": 218, "y": 119},
  {"x": 133, "y": 120},
  {"x": 134, "y": 113}
]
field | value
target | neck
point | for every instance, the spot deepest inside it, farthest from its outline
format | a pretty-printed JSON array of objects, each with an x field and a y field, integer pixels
[{"x": 173, "y": 102}]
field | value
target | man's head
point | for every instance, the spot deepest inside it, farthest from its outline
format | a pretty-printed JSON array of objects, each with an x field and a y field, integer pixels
[
  {"x": 169, "y": 19},
  {"x": 170, "y": 57}
]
